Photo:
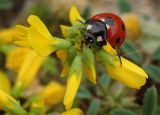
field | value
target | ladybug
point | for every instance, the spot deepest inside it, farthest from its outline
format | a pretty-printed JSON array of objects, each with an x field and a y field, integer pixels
[{"x": 103, "y": 28}]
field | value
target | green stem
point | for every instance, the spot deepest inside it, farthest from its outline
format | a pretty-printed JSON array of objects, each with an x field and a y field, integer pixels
[{"x": 16, "y": 91}]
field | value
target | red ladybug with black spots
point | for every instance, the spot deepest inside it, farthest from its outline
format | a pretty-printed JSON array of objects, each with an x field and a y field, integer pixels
[{"x": 103, "y": 28}]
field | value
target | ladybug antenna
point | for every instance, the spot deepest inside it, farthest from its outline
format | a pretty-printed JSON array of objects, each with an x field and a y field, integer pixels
[
  {"x": 80, "y": 21},
  {"x": 119, "y": 56}
]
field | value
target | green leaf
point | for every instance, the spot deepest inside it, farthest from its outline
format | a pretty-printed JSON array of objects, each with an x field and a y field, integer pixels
[
  {"x": 87, "y": 57},
  {"x": 83, "y": 92},
  {"x": 37, "y": 110},
  {"x": 5, "y": 4},
  {"x": 94, "y": 107},
  {"x": 158, "y": 110},
  {"x": 131, "y": 51},
  {"x": 122, "y": 111},
  {"x": 105, "y": 57},
  {"x": 152, "y": 43},
  {"x": 76, "y": 66},
  {"x": 15, "y": 108},
  {"x": 5, "y": 48},
  {"x": 156, "y": 54},
  {"x": 71, "y": 54},
  {"x": 105, "y": 80},
  {"x": 61, "y": 44},
  {"x": 150, "y": 101},
  {"x": 150, "y": 28},
  {"x": 49, "y": 65},
  {"x": 124, "y": 6},
  {"x": 153, "y": 71},
  {"x": 73, "y": 32}
]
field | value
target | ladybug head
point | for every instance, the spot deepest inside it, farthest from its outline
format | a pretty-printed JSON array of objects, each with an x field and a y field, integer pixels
[{"x": 95, "y": 32}]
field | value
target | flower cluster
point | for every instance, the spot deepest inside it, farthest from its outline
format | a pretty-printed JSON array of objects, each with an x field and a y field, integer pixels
[
  {"x": 78, "y": 60},
  {"x": 39, "y": 101}
]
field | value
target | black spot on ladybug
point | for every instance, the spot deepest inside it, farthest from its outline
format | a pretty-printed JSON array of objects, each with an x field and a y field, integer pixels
[
  {"x": 109, "y": 21},
  {"x": 117, "y": 40},
  {"x": 123, "y": 27}
]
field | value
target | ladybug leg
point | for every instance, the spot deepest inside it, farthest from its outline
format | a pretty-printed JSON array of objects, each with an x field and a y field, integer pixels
[
  {"x": 88, "y": 44},
  {"x": 119, "y": 56},
  {"x": 82, "y": 42},
  {"x": 82, "y": 29}
]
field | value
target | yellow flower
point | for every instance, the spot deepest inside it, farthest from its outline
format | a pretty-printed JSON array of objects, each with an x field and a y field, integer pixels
[
  {"x": 38, "y": 37},
  {"x": 90, "y": 73},
  {"x": 38, "y": 108},
  {"x": 10, "y": 105},
  {"x": 132, "y": 24},
  {"x": 15, "y": 58},
  {"x": 5, "y": 84},
  {"x": 108, "y": 48},
  {"x": 6, "y": 35},
  {"x": 48, "y": 96},
  {"x": 64, "y": 30},
  {"x": 129, "y": 74},
  {"x": 77, "y": 61},
  {"x": 27, "y": 72},
  {"x": 53, "y": 93},
  {"x": 89, "y": 65},
  {"x": 65, "y": 70},
  {"x": 74, "y": 15},
  {"x": 74, "y": 111},
  {"x": 61, "y": 54},
  {"x": 73, "y": 82}
]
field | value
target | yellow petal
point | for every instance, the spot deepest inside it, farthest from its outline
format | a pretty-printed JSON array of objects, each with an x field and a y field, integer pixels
[
  {"x": 74, "y": 15},
  {"x": 5, "y": 99},
  {"x": 53, "y": 93},
  {"x": 23, "y": 43},
  {"x": 73, "y": 83},
  {"x": 129, "y": 74},
  {"x": 20, "y": 37},
  {"x": 41, "y": 44},
  {"x": 21, "y": 30},
  {"x": 19, "y": 54},
  {"x": 64, "y": 30},
  {"x": 6, "y": 35},
  {"x": 36, "y": 23},
  {"x": 108, "y": 48},
  {"x": 5, "y": 84},
  {"x": 61, "y": 54},
  {"x": 74, "y": 111},
  {"x": 29, "y": 69},
  {"x": 9, "y": 104},
  {"x": 90, "y": 73}
]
